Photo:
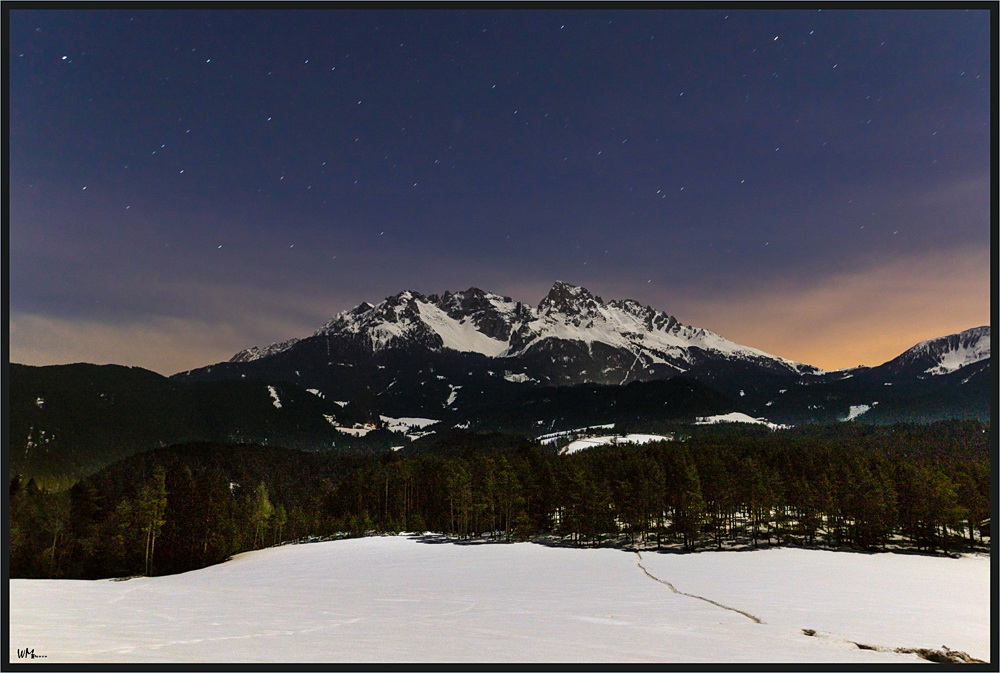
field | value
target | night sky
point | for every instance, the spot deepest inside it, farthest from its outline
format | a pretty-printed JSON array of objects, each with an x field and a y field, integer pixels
[{"x": 184, "y": 184}]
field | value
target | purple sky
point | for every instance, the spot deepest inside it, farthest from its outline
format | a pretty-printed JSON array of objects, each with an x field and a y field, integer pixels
[{"x": 186, "y": 184}]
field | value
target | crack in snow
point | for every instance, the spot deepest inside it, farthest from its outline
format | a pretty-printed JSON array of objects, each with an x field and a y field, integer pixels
[
  {"x": 945, "y": 655},
  {"x": 670, "y": 586}
]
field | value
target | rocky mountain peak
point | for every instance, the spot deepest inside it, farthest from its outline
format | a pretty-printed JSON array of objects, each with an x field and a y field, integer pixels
[
  {"x": 491, "y": 314},
  {"x": 570, "y": 300},
  {"x": 256, "y": 352},
  {"x": 634, "y": 337}
]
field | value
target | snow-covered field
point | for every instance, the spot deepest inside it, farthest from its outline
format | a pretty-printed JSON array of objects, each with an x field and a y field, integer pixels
[
  {"x": 399, "y": 599},
  {"x": 737, "y": 417},
  {"x": 588, "y": 442}
]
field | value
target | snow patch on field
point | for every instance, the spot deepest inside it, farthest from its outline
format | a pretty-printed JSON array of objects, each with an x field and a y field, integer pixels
[
  {"x": 411, "y": 427},
  {"x": 857, "y": 410},
  {"x": 737, "y": 417},
  {"x": 393, "y": 599},
  {"x": 357, "y": 430},
  {"x": 404, "y": 424},
  {"x": 553, "y": 437},
  {"x": 588, "y": 442},
  {"x": 275, "y": 400}
]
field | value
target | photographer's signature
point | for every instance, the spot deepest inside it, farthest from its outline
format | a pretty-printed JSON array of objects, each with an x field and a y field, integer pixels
[{"x": 28, "y": 653}]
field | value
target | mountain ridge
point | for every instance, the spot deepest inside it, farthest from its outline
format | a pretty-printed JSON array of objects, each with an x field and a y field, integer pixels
[
  {"x": 496, "y": 326},
  {"x": 334, "y": 392},
  {"x": 443, "y": 355}
]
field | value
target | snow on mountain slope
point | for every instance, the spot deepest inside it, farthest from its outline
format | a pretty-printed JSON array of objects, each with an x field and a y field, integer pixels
[
  {"x": 256, "y": 353},
  {"x": 459, "y": 335},
  {"x": 394, "y": 599},
  {"x": 946, "y": 354},
  {"x": 971, "y": 346},
  {"x": 475, "y": 321},
  {"x": 573, "y": 313}
]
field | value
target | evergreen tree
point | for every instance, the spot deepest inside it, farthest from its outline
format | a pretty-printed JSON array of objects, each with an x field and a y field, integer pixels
[
  {"x": 261, "y": 511},
  {"x": 689, "y": 512},
  {"x": 180, "y": 541},
  {"x": 152, "y": 507}
]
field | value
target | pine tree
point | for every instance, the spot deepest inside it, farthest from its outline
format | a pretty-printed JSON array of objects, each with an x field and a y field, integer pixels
[
  {"x": 152, "y": 506},
  {"x": 261, "y": 511},
  {"x": 689, "y": 513},
  {"x": 181, "y": 544}
]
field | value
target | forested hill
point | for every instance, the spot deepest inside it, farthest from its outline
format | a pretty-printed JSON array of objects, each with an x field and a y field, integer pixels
[{"x": 177, "y": 508}]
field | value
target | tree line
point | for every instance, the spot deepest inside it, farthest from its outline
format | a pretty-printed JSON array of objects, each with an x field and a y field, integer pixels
[{"x": 182, "y": 508}]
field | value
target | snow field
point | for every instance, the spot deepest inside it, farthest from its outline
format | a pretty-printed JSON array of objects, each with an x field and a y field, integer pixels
[
  {"x": 737, "y": 417},
  {"x": 587, "y": 442},
  {"x": 886, "y": 600},
  {"x": 406, "y": 423},
  {"x": 553, "y": 437},
  {"x": 396, "y": 599}
]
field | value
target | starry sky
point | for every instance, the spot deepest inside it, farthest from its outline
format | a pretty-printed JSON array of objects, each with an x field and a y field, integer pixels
[{"x": 184, "y": 184}]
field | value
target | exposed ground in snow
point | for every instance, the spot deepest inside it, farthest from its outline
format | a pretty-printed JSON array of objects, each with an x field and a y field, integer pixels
[{"x": 395, "y": 599}]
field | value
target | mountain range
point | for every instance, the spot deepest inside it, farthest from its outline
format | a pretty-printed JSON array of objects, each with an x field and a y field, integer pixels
[
  {"x": 383, "y": 375},
  {"x": 450, "y": 354}
]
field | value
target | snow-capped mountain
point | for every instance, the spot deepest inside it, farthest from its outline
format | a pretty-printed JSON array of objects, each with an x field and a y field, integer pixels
[
  {"x": 479, "y": 355},
  {"x": 478, "y": 361},
  {"x": 256, "y": 353},
  {"x": 945, "y": 377},
  {"x": 631, "y": 341},
  {"x": 471, "y": 322},
  {"x": 944, "y": 355}
]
